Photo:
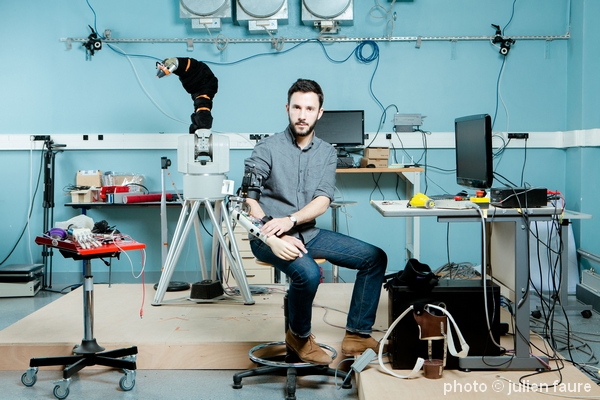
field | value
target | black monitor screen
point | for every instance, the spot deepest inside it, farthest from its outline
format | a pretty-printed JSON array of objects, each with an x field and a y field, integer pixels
[
  {"x": 342, "y": 128},
  {"x": 473, "y": 142}
]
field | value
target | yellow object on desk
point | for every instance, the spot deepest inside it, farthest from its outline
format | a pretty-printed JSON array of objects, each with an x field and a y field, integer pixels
[
  {"x": 422, "y": 201},
  {"x": 482, "y": 202}
]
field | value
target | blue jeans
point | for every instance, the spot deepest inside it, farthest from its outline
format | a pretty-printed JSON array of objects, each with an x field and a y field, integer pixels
[{"x": 369, "y": 261}]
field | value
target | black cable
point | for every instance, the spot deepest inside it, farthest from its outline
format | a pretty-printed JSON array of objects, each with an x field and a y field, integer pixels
[
  {"x": 376, "y": 186},
  {"x": 145, "y": 189},
  {"x": 37, "y": 186},
  {"x": 498, "y": 175},
  {"x": 524, "y": 162}
]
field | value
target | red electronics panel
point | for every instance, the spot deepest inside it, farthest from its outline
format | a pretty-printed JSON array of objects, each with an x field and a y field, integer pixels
[{"x": 106, "y": 248}]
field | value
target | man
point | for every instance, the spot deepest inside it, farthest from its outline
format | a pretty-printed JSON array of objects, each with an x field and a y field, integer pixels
[{"x": 298, "y": 175}]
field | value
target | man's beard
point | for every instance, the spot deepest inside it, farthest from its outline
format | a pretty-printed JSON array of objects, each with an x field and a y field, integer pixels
[{"x": 311, "y": 129}]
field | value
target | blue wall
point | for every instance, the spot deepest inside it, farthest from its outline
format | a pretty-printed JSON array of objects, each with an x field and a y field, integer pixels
[{"x": 547, "y": 86}]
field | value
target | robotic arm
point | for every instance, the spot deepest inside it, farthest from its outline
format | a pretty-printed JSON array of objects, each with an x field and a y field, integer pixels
[
  {"x": 199, "y": 81},
  {"x": 239, "y": 208}
]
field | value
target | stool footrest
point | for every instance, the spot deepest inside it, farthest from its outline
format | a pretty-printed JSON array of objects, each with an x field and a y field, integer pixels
[{"x": 283, "y": 364}]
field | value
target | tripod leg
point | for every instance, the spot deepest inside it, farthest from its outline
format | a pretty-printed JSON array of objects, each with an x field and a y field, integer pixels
[
  {"x": 200, "y": 247},
  {"x": 181, "y": 233},
  {"x": 236, "y": 266}
]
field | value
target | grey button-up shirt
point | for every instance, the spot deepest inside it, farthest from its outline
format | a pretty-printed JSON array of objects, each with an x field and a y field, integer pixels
[{"x": 293, "y": 177}]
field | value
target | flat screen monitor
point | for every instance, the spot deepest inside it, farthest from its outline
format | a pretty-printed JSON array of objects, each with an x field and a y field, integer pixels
[
  {"x": 473, "y": 143},
  {"x": 342, "y": 128}
]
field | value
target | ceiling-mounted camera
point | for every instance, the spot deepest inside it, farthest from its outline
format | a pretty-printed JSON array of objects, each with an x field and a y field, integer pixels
[
  {"x": 93, "y": 44},
  {"x": 505, "y": 44}
]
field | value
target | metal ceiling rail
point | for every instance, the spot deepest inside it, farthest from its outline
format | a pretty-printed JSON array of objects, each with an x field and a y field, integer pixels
[{"x": 328, "y": 39}]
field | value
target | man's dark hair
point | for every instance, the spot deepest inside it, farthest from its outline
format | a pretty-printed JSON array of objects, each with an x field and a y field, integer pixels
[{"x": 306, "y": 86}]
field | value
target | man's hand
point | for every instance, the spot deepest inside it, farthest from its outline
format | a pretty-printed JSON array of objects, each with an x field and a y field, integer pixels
[
  {"x": 286, "y": 247},
  {"x": 277, "y": 226}
]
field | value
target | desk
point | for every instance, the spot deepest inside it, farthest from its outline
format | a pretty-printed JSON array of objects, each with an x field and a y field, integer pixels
[
  {"x": 412, "y": 178},
  {"x": 509, "y": 221}
]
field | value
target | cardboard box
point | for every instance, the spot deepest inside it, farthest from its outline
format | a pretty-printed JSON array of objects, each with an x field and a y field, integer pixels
[
  {"x": 84, "y": 196},
  {"x": 90, "y": 177},
  {"x": 377, "y": 153},
  {"x": 377, "y": 163}
]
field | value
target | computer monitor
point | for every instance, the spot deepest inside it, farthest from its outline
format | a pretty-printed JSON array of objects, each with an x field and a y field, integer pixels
[
  {"x": 342, "y": 128},
  {"x": 473, "y": 143}
]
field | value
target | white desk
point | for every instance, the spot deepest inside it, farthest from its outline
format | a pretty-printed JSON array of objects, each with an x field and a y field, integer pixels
[{"x": 507, "y": 221}]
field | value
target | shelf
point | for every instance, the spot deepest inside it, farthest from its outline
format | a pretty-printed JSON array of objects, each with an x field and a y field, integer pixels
[{"x": 377, "y": 170}]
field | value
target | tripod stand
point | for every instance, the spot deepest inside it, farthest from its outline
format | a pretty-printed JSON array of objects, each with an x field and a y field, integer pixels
[
  {"x": 189, "y": 215},
  {"x": 48, "y": 204}
]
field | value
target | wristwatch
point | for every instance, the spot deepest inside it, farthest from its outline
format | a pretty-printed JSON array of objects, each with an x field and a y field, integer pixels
[{"x": 293, "y": 219}]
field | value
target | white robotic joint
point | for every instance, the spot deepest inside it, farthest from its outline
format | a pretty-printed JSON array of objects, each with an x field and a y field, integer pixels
[{"x": 253, "y": 227}]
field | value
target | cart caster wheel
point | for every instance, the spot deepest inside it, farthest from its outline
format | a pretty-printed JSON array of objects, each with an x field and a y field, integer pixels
[
  {"x": 60, "y": 393},
  {"x": 29, "y": 379},
  {"x": 128, "y": 381},
  {"x": 586, "y": 314}
]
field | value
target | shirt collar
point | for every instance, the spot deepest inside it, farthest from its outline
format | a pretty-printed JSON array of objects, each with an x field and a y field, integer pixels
[{"x": 291, "y": 136}]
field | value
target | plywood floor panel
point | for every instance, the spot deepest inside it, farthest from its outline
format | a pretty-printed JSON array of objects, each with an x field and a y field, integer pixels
[
  {"x": 185, "y": 335},
  {"x": 219, "y": 335}
]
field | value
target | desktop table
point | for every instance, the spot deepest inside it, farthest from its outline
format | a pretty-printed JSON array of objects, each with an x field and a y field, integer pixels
[{"x": 509, "y": 224}]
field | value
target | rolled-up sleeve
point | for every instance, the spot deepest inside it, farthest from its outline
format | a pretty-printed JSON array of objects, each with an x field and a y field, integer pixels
[{"x": 326, "y": 185}]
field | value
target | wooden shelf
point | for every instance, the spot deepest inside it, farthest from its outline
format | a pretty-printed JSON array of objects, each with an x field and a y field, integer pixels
[{"x": 373, "y": 170}]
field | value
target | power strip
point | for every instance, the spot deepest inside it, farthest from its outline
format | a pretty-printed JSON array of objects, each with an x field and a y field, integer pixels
[{"x": 361, "y": 362}]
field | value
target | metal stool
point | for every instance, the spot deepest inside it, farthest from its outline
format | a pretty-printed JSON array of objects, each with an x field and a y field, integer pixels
[{"x": 288, "y": 364}]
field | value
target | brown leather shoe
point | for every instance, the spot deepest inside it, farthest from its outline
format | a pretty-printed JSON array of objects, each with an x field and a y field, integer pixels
[
  {"x": 354, "y": 345},
  {"x": 307, "y": 349}
]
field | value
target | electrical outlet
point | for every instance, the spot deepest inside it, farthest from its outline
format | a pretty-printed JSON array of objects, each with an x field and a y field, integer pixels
[{"x": 518, "y": 135}]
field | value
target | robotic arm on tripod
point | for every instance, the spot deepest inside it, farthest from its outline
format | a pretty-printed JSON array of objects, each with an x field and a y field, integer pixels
[{"x": 202, "y": 158}]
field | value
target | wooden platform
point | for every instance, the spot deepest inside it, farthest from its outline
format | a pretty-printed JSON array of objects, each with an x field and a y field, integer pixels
[
  {"x": 218, "y": 335},
  {"x": 184, "y": 335}
]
